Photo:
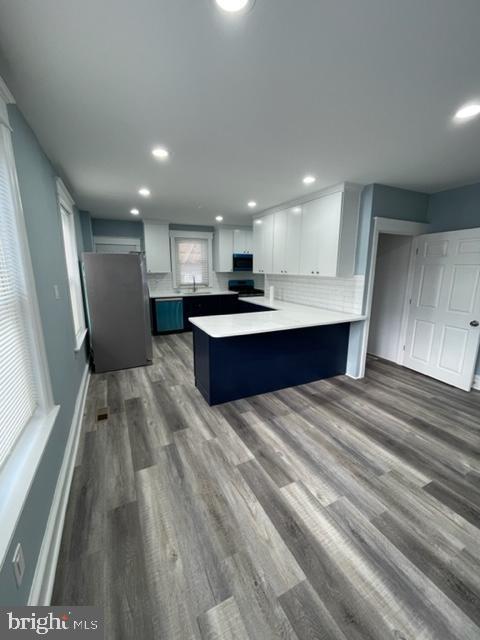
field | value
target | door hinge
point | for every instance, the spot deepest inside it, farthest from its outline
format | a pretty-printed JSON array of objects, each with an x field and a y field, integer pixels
[
  {"x": 410, "y": 301},
  {"x": 416, "y": 251},
  {"x": 404, "y": 347}
]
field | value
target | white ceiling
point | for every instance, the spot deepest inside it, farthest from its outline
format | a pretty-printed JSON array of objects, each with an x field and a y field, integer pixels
[{"x": 346, "y": 89}]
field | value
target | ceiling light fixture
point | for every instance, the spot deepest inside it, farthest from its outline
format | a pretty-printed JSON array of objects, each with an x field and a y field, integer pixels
[
  {"x": 160, "y": 153},
  {"x": 309, "y": 180},
  {"x": 143, "y": 191},
  {"x": 234, "y": 6},
  {"x": 468, "y": 111},
  {"x": 252, "y": 204},
  {"x": 219, "y": 218},
  {"x": 297, "y": 210},
  {"x": 258, "y": 222},
  {"x": 135, "y": 212}
]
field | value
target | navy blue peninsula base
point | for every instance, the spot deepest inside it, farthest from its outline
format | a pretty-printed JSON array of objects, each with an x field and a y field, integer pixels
[{"x": 241, "y": 366}]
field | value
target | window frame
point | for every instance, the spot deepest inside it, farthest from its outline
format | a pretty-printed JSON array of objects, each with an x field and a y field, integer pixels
[
  {"x": 19, "y": 468},
  {"x": 66, "y": 208},
  {"x": 193, "y": 235}
]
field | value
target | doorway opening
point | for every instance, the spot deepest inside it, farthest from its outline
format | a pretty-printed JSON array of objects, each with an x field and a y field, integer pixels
[{"x": 387, "y": 319}]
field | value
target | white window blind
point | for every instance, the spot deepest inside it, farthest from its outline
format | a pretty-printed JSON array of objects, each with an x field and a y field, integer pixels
[
  {"x": 191, "y": 260},
  {"x": 73, "y": 271},
  {"x": 18, "y": 393}
]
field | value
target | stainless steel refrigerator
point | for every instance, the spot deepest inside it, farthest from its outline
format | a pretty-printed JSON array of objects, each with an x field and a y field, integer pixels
[{"x": 118, "y": 308}]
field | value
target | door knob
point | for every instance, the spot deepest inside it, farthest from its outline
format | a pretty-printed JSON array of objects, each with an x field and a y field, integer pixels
[{"x": 474, "y": 323}]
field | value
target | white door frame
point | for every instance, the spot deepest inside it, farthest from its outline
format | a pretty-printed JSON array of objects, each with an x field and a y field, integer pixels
[{"x": 393, "y": 227}]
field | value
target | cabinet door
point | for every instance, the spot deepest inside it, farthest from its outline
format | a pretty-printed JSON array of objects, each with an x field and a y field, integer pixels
[
  {"x": 279, "y": 241},
  {"x": 330, "y": 214},
  {"x": 309, "y": 242},
  {"x": 258, "y": 264},
  {"x": 293, "y": 233},
  {"x": 248, "y": 235},
  {"x": 238, "y": 241},
  {"x": 157, "y": 247},
  {"x": 223, "y": 250},
  {"x": 267, "y": 243}
]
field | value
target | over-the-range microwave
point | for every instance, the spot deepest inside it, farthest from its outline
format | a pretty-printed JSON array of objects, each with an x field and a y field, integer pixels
[{"x": 242, "y": 262}]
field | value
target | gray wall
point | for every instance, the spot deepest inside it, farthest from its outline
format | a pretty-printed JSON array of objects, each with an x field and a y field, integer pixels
[
  {"x": 455, "y": 209},
  {"x": 87, "y": 231},
  {"x": 119, "y": 228},
  {"x": 38, "y": 191}
]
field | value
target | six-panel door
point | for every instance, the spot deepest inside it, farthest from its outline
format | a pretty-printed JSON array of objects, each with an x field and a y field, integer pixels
[{"x": 442, "y": 332}]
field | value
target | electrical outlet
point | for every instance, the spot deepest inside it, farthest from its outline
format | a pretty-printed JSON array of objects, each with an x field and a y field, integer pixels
[
  {"x": 56, "y": 292},
  {"x": 18, "y": 564}
]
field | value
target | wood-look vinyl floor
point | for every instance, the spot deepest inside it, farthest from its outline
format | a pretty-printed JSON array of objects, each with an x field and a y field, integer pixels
[{"x": 338, "y": 510}]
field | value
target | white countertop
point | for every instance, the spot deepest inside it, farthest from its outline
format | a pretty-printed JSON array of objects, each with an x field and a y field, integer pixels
[
  {"x": 287, "y": 315},
  {"x": 156, "y": 293}
]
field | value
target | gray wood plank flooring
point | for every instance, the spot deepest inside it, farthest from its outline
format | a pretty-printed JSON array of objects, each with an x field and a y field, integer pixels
[{"x": 338, "y": 510}]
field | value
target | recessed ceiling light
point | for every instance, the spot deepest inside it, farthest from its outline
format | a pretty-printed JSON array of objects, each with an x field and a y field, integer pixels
[
  {"x": 297, "y": 209},
  {"x": 252, "y": 204},
  {"x": 219, "y": 218},
  {"x": 135, "y": 212},
  {"x": 234, "y": 6},
  {"x": 468, "y": 111},
  {"x": 258, "y": 222},
  {"x": 143, "y": 191},
  {"x": 309, "y": 179},
  {"x": 161, "y": 153}
]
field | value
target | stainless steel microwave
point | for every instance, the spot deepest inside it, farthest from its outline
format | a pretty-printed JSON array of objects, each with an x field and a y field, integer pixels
[{"x": 242, "y": 262}]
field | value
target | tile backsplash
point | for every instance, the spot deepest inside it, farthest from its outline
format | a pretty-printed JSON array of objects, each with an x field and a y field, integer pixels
[
  {"x": 337, "y": 294},
  {"x": 164, "y": 282}
]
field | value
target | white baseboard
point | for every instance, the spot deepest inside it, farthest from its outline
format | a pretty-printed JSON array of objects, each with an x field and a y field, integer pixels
[
  {"x": 476, "y": 382},
  {"x": 43, "y": 580}
]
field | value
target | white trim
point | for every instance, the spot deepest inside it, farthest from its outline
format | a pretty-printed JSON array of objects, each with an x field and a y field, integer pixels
[
  {"x": 476, "y": 382},
  {"x": 117, "y": 240},
  {"x": 43, "y": 580},
  {"x": 5, "y": 93},
  {"x": 64, "y": 197},
  {"x": 18, "y": 472},
  {"x": 80, "y": 339},
  {"x": 388, "y": 226}
]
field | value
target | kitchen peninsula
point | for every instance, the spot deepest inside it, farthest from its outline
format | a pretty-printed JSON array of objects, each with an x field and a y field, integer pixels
[{"x": 236, "y": 356}]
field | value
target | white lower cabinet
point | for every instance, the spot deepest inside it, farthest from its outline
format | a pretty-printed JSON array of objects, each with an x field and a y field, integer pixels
[
  {"x": 316, "y": 238},
  {"x": 157, "y": 247},
  {"x": 263, "y": 244}
]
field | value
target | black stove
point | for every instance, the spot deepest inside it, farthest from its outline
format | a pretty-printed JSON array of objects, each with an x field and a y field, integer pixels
[{"x": 245, "y": 288}]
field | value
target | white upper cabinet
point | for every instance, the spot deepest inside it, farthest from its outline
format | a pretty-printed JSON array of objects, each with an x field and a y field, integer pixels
[
  {"x": 287, "y": 226},
  {"x": 228, "y": 241},
  {"x": 263, "y": 244},
  {"x": 242, "y": 241},
  {"x": 223, "y": 250},
  {"x": 316, "y": 238},
  {"x": 157, "y": 247}
]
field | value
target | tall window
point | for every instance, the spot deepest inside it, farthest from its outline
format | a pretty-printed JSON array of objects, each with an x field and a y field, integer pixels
[
  {"x": 191, "y": 261},
  {"x": 73, "y": 267},
  {"x": 18, "y": 394}
]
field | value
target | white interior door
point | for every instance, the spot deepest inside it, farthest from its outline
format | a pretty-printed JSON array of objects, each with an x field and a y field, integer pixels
[{"x": 443, "y": 329}]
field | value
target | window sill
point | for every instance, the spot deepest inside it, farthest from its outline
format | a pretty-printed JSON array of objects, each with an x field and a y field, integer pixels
[
  {"x": 80, "y": 340},
  {"x": 18, "y": 472}
]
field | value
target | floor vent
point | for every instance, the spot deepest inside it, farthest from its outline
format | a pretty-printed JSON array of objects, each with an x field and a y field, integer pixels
[{"x": 102, "y": 414}]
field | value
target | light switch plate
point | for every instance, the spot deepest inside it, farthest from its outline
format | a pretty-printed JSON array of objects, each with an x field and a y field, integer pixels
[
  {"x": 56, "y": 291},
  {"x": 18, "y": 564}
]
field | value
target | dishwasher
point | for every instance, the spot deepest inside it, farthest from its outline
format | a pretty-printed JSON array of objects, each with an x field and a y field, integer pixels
[{"x": 168, "y": 315}]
